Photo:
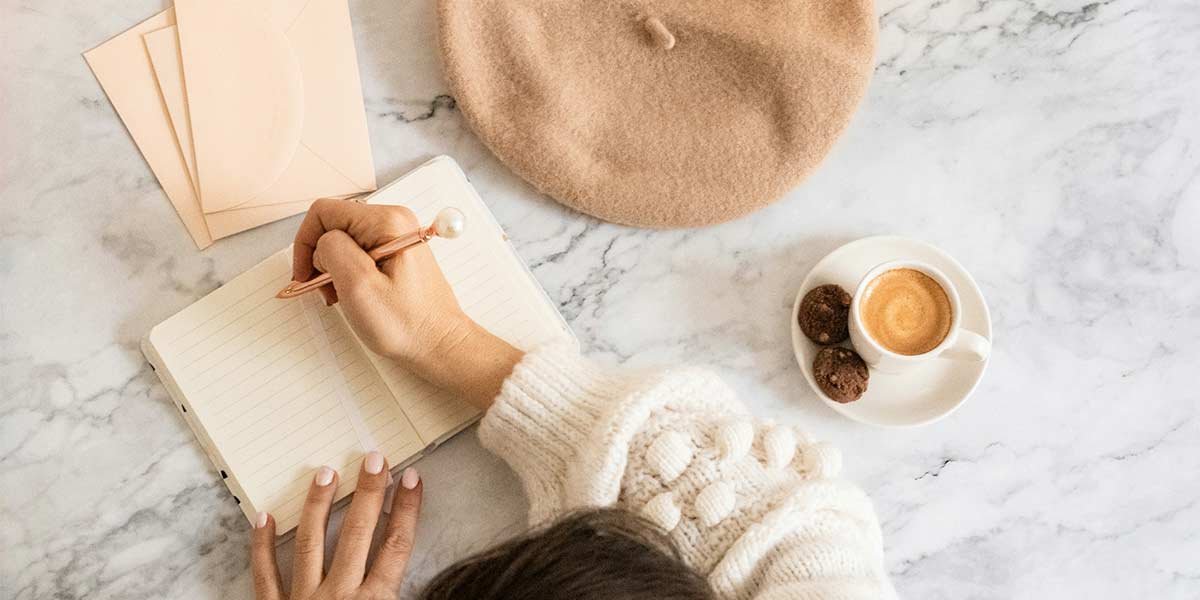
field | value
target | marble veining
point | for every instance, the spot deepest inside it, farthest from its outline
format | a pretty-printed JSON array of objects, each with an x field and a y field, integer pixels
[{"x": 1052, "y": 146}]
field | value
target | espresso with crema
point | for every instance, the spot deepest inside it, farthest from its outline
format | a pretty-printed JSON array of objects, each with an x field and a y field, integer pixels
[{"x": 906, "y": 311}]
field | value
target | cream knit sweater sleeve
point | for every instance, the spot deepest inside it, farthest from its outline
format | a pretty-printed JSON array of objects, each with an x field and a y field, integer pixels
[{"x": 757, "y": 508}]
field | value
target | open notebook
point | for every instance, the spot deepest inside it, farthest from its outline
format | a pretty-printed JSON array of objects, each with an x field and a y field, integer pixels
[{"x": 273, "y": 389}]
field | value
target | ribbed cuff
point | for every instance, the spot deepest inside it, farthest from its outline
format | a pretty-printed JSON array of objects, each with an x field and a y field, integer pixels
[{"x": 542, "y": 417}]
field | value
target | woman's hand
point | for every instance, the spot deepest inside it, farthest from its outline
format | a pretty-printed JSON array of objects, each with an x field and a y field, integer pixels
[
  {"x": 348, "y": 576},
  {"x": 403, "y": 308},
  {"x": 394, "y": 307}
]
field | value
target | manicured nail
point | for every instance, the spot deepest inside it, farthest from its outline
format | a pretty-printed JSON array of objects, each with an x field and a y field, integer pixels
[
  {"x": 324, "y": 476},
  {"x": 373, "y": 463},
  {"x": 410, "y": 479},
  {"x": 261, "y": 521}
]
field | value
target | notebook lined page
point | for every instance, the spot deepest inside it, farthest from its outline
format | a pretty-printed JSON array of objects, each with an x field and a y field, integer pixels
[
  {"x": 257, "y": 373},
  {"x": 490, "y": 282}
]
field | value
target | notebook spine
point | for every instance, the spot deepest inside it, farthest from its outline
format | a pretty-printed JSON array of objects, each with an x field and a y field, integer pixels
[{"x": 189, "y": 417}]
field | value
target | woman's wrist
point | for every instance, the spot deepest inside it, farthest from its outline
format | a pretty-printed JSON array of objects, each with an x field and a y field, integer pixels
[{"x": 468, "y": 361}]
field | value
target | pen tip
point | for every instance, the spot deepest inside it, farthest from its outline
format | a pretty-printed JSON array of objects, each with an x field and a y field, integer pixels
[{"x": 287, "y": 292}]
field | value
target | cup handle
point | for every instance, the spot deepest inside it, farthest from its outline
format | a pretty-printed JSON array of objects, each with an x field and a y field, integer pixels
[{"x": 969, "y": 346}]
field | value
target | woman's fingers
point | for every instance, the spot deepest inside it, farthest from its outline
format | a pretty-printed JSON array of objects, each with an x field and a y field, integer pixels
[
  {"x": 369, "y": 225},
  {"x": 388, "y": 570},
  {"x": 339, "y": 255},
  {"x": 309, "y": 558},
  {"x": 348, "y": 264},
  {"x": 267, "y": 585},
  {"x": 311, "y": 230},
  {"x": 354, "y": 542}
]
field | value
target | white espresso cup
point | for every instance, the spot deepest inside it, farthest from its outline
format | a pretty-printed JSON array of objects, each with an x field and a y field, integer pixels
[{"x": 959, "y": 343}]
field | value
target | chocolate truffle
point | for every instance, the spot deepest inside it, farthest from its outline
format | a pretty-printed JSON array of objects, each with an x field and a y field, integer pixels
[
  {"x": 841, "y": 374},
  {"x": 825, "y": 314}
]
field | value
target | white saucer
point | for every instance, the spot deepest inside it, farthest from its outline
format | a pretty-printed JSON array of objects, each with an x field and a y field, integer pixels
[{"x": 926, "y": 392}]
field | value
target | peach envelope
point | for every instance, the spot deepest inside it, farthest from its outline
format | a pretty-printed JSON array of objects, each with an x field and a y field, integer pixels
[
  {"x": 123, "y": 68},
  {"x": 162, "y": 47},
  {"x": 274, "y": 100}
]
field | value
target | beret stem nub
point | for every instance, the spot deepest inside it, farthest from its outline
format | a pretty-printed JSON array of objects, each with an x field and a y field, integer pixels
[{"x": 659, "y": 33}]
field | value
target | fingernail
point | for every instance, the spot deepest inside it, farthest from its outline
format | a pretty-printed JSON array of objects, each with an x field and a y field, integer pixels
[
  {"x": 373, "y": 463},
  {"x": 261, "y": 520},
  {"x": 324, "y": 476},
  {"x": 410, "y": 479}
]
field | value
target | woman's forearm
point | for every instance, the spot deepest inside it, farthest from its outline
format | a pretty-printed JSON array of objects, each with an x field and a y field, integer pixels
[{"x": 470, "y": 362}]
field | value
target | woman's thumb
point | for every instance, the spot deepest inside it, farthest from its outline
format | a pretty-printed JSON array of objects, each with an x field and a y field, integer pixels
[{"x": 340, "y": 256}]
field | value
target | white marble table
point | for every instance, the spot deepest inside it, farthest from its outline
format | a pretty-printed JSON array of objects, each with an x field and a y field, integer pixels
[{"x": 1052, "y": 146}]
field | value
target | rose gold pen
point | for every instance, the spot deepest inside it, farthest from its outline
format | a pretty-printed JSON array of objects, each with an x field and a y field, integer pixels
[{"x": 448, "y": 224}]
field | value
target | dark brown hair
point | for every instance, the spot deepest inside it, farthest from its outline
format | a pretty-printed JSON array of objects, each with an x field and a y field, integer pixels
[{"x": 605, "y": 554}]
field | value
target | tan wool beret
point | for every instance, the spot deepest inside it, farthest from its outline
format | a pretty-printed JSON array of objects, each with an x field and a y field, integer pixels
[{"x": 656, "y": 113}]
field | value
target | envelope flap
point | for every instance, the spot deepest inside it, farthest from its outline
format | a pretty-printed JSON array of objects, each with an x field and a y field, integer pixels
[
  {"x": 335, "y": 122},
  {"x": 246, "y": 97}
]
